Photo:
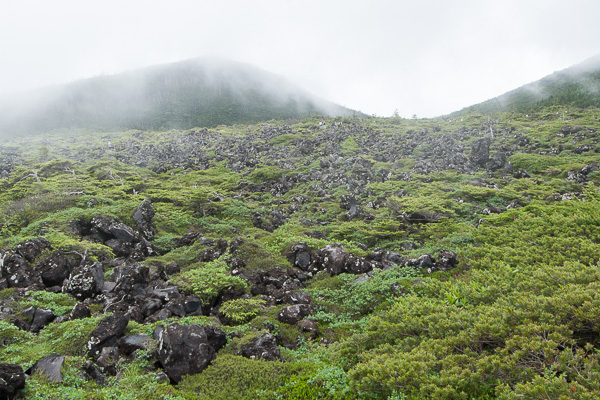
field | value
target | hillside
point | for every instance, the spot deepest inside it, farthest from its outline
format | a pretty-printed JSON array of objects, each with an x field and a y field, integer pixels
[
  {"x": 363, "y": 258},
  {"x": 194, "y": 93},
  {"x": 576, "y": 86}
]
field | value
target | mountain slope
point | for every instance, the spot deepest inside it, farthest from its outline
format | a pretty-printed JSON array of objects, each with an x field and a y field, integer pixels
[
  {"x": 577, "y": 86},
  {"x": 197, "y": 92}
]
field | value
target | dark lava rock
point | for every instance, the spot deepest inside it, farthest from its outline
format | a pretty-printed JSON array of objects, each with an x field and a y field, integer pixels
[
  {"x": 307, "y": 325},
  {"x": 348, "y": 202},
  {"x": 521, "y": 173},
  {"x": 85, "y": 281},
  {"x": 480, "y": 151},
  {"x": 130, "y": 276},
  {"x": 130, "y": 343},
  {"x": 108, "y": 359},
  {"x": 56, "y": 267},
  {"x": 80, "y": 311},
  {"x": 93, "y": 372},
  {"x": 120, "y": 247},
  {"x": 50, "y": 366},
  {"x": 41, "y": 318},
  {"x": 446, "y": 261},
  {"x": 294, "y": 313},
  {"x": 300, "y": 256},
  {"x": 424, "y": 261},
  {"x": 265, "y": 347},
  {"x": 109, "y": 330},
  {"x": 12, "y": 379},
  {"x": 143, "y": 217},
  {"x": 17, "y": 271},
  {"x": 33, "y": 248},
  {"x": 121, "y": 231},
  {"x": 187, "y": 349},
  {"x": 334, "y": 260},
  {"x": 193, "y": 306}
]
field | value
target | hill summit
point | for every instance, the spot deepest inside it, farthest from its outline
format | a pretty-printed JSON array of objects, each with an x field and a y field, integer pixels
[
  {"x": 196, "y": 92},
  {"x": 576, "y": 86}
]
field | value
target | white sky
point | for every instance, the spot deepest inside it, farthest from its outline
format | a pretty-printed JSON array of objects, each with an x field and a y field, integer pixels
[{"x": 423, "y": 57}]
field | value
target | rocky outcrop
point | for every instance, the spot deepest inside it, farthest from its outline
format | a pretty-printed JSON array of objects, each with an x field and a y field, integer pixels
[
  {"x": 143, "y": 217},
  {"x": 263, "y": 347},
  {"x": 107, "y": 334},
  {"x": 12, "y": 380},
  {"x": 85, "y": 281},
  {"x": 293, "y": 314},
  {"x": 50, "y": 366},
  {"x": 334, "y": 260},
  {"x": 480, "y": 151},
  {"x": 187, "y": 349}
]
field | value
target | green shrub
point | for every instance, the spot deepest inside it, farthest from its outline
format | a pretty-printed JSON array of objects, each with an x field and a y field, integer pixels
[
  {"x": 266, "y": 174},
  {"x": 58, "y": 303},
  {"x": 209, "y": 280},
  {"x": 240, "y": 311},
  {"x": 235, "y": 377}
]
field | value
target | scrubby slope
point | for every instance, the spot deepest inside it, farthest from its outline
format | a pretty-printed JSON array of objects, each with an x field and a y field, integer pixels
[
  {"x": 576, "y": 86},
  {"x": 362, "y": 258}
]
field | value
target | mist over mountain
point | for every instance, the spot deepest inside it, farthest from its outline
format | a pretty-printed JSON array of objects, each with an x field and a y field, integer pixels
[
  {"x": 198, "y": 92},
  {"x": 577, "y": 86}
]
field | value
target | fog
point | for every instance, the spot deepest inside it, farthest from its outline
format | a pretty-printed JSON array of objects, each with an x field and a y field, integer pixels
[
  {"x": 426, "y": 58},
  {"x": 200, "y": 92}
]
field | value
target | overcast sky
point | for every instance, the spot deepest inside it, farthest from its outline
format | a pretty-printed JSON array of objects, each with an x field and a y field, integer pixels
[{"x": 423, "y": 57}]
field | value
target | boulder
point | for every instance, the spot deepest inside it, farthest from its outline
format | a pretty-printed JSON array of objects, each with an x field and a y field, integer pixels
[
  {"x": 192, "y": 306},
  {"x": 187, "y": 349},
  {"x": 130, "y": 343},
  {"x": 480, "y": 151},
  {"x": 348, "y": 202},
  {"x": 150, "y": 305},
  {"x": 85, "y": 281},
  {"x": 41, "y": 318},
  {"x": 17, "y": 271},
  {"x": 80, "y": 311},
  {"x": 446, "y": 261},
  {"x": 334, "y": 260},
  {"x": 265, "y": 347},
  {"x": 99, "y": 226},
  {"x": 130, "y": 276},
  {"x": 31, "y": 249},
  {"x": 108, "y": 359},
  {"x": 12, "y": 379},
  {"x": 294, "y": 313},
  {"x": 143, "y": 217},
  {"x": 56, "y": 267},
  {"x": 300, "y": 256},
  {"x": 50, "y": 366},
  {"x": 121, "y": 231},
  {"x": 521, "y": 173},
  {"x": 120, "y": 247},
  {"x": 93, "y": 372},
  {"x": 109, "y": 330},
  {"x": 424, "y": 261},
  {"x": 309, "y": 326}
]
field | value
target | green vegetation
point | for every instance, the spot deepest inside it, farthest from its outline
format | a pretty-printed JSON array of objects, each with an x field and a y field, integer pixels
[
  {"x": 209, "y": 280},
  {"x": 517, "y": 315},
  {"x": 576, "y": 86}
]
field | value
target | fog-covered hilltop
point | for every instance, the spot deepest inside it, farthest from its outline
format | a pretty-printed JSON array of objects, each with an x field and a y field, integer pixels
[
  {"x": 197, "y": 92},
  {"x": 576, "y": 86}
]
